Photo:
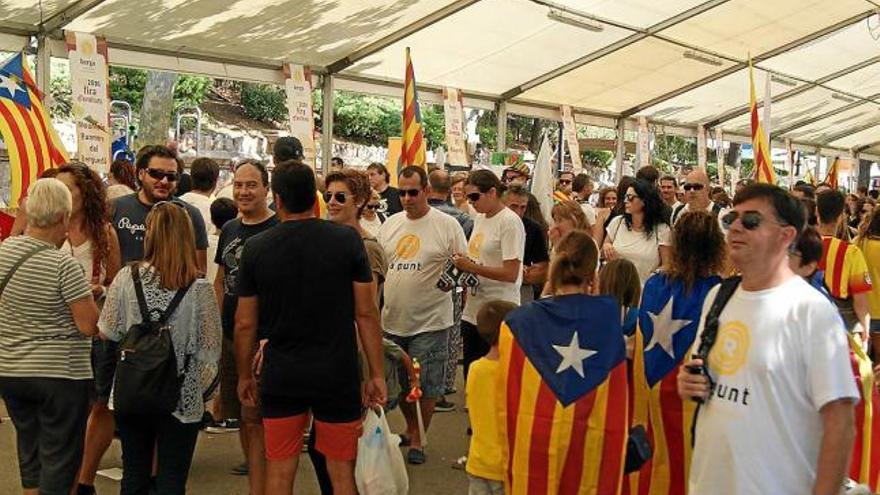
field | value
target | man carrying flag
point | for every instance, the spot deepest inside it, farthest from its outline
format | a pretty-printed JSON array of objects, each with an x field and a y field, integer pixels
[
  {"x": 26, "y": 128},
  {"x": 763, "y": 164},
  {"x": 562, "y": 386},
  {"x": 412, "y": 146}
]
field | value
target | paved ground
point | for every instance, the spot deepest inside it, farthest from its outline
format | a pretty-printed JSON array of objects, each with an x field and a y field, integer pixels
[{"x": 215, "y": 454}]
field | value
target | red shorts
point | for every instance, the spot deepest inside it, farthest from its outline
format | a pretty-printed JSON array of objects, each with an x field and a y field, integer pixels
[{"x": 284, "y": 438}]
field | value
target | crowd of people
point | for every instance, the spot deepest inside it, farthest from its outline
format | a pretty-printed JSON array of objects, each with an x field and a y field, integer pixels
[{"x": 286, "y": 326}]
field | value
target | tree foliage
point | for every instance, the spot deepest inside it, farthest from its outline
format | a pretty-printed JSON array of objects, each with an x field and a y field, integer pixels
[
  {"x": 128, "y": 85},
  {"x": 264, "y": 102}
]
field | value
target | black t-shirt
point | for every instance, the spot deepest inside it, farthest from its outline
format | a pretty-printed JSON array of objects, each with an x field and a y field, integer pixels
[
  {"x": 229, "y": 249},
  {"x": 389, "y": 204},
  {"x": 536, "y": 244},
  {"x": 302, "y": 273},
  {"x": 130, "y": 222}
]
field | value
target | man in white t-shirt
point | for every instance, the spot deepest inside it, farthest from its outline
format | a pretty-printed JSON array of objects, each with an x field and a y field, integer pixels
[
  {"x": 204, "y": 173},
  {"x": 494, "y": 253},
  {"x": 696, "y": 192},
  {"x": 581, "y": 191},
  {"x": 417, "y": 315},
  {"x": 668, "y": 188},
  {"x": 779, "y": 419}
]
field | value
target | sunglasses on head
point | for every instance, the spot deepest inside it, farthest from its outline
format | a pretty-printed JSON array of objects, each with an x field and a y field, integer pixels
[
  {"x": 750, "y": 220},
  {"x": 175, "y": 202},
  {"x": 410, "y": 192},
  {"x": 474, "y": 197},
  {"x": 693, "y": 187},
  {"x": 161, "y": 174},
  {"x": 339, "y": 196}
]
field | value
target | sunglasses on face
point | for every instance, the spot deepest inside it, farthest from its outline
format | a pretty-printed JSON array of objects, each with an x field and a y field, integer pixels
[
  {"x": 157, "y": 174},
  {"x": 693, "y": 187},
  {"x": 372, "y": 207},
  {"x": 410, "y": 192},
  {"x": 630, "y": 197},
  {"x": 564, "y": 181},
  {"x": 750, "y": 220},
  {"x": 474, "y": 197},
  {"x": 339, "y": 196}
]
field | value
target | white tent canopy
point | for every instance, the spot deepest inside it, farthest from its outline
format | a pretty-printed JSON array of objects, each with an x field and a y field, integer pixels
[{"x": 680, "y": 63}]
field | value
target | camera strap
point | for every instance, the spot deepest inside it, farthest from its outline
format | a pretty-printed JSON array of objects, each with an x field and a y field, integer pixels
[{"x": 710, "y": 335}]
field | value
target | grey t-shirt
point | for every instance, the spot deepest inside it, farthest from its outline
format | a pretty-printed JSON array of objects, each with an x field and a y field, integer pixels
[{"x": 130, "y": 222}]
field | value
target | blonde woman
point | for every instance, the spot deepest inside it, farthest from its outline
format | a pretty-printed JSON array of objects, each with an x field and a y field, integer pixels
[
  {"x": 169, "y": 266},
  {"x": 371, "y": 220}
]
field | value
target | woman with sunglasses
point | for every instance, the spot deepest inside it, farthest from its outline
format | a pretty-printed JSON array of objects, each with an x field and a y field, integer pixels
[
  {"x": 495, "y": 254},
  {"x": 169, "y": 266},
  {"x": 371, "y": 220},
  {"x": 641, "y": 234}
]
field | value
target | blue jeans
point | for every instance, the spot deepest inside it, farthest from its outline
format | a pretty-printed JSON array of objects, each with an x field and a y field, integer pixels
[{"x": 175, "y": 443}]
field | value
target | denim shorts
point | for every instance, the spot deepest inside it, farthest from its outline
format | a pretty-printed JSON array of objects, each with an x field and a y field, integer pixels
[{"x": 431, "y": 350}]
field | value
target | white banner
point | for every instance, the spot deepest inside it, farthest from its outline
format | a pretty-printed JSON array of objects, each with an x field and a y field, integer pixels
[
  {"x": 90, "y": 99},
  {"x": 569, "y": 131},
  {"x": 719, "y": 153},
  {"x": 702, "y": 152},
  {"x": 456, "y": 142},
  {"x": 643, "y": 150},
  {"x": 298, "y": 84}
]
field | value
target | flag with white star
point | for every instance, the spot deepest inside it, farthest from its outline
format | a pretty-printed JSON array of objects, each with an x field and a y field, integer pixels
[
  {"x": 564, "y": 404},
  {"x": 26, "y": 128},
  {"x": 669, "y": 316}
]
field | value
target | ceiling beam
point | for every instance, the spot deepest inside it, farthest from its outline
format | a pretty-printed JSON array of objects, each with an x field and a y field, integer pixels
[
  {"x": 864, "y": 147},
  {"x": 744, "y": 109},
  {"x": 739, "y": 66},
  {"x": 853, "y": 130},
  {"x": 616, "y": 46},
  {"x": 376, "y": 46},
  {"x": 67, "y": 15},
  {"x": 816, "y": 118}
]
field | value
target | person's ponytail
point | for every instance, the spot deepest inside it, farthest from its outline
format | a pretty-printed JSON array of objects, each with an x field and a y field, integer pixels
[{"x": 574, "y": 261}]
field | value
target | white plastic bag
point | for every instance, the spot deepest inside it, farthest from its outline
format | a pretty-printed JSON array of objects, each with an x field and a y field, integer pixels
[{"x": 379, "y": 469}]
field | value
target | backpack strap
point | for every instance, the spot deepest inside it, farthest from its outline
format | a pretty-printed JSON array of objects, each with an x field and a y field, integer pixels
[
  {"x": 175, "y": 302},
  {"x": 710, "y": 326},
  {"x": 716, "y": 209},
  {"x": 139, "y": 292},
  {"x": 677, "y": 211}
]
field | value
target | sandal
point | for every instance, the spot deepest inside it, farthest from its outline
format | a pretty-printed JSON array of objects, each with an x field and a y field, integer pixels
[{"x": 415, "y": 456}]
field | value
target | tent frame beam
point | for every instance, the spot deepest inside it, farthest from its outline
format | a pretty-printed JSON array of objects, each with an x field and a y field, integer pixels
[
  {"x": 852, "y": 130},
  {"x": 638, "y": 35},
  {"x": 742, "y": 65},
  {"x": 816, "y": 118},
  {"x": 67, "y": 15},
  {"x": 818, "y": 83},
  {"x": 398, "y": 35}
]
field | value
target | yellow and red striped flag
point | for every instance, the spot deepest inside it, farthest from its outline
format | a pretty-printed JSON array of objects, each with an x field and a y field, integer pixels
[
  {"x": 763, "y": 164},
  {"x": 668, "y": 320},
  {"x": 865, "y": 464},
  {"x": 562, "y": 400},
  {"x": 26, "y": 128},
  {"x": 412, "y": 147},
  {"x": 833, "y": 172}
]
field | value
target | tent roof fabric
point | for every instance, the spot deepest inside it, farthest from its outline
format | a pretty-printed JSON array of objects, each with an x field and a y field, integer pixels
[{"x": 676, "y": 62}]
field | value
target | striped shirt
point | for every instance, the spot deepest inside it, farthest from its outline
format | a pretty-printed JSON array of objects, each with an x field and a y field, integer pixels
[
  {"x": 846, "y": 272},
  {"x": 38, "y": 337}
]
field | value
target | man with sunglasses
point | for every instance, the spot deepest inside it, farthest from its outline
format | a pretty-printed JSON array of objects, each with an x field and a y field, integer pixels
[
  {"x": 418, "y": 315},
  {"x": 517, "y": 174},
  {"x": 696, "y": 193},
  {"x": 777, "y": 415},
  {"x": 565, "y": 181}
]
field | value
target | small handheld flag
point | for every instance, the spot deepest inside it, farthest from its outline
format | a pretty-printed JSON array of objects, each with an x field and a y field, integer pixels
[
  {"x": 415, "y": 394},
  {"x": 412, "y": 150},
  {"x": 26, "y": 128},
  {"x": 763, "y": 164},
  {"x": 833, "y": 172}
]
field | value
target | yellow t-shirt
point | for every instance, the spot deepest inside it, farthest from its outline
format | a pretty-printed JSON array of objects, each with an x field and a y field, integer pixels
[
  {"x": 484, "y": 455},
  {"x": 871, "y": 250}
]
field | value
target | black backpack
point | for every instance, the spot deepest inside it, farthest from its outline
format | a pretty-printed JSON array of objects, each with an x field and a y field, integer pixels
[{"x": 147, "y": 381}]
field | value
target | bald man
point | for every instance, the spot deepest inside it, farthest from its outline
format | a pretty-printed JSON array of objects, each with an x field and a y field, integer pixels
[{"x": 696, "y": 196}]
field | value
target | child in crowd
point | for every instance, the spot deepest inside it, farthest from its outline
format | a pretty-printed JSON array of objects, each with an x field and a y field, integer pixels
[
  {"x": 484, "y": 465},
  {"x": 619, "y": 278}
]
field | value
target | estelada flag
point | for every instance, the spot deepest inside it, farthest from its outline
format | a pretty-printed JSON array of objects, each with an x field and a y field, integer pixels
[
  {"x": 833, "y": 172},
  {"x": 562, "y": 401},
  {"x": 763, "y": 164},
  {"x": 559, "y": 197},
  {"x": 26, "y": 128},
  {"x": 865, "y": 464},
  {"x": 412, "y": 148},
  {"x": 6, "y": 223},
  {"x": 668, "y": 319}
]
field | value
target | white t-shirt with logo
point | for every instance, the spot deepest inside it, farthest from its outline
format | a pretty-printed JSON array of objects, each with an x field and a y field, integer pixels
[
  {"x": 781, "y": 354},
  {"x": 641, "y": 249},
  {"x": 417, "y": 251},
  {"x": 494, "y": 241}
]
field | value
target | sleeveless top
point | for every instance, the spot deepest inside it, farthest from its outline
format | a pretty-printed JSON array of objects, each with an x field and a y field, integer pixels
[{"x": 83, "y": 255}]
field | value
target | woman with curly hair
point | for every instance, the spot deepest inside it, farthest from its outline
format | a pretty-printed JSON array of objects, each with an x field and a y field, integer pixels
[
  {"x": 641, "y": 234},
  {"x": 91, "y": 240},
  {"x": 669, "y": 315},
  {"x": 121, "y": 179}
]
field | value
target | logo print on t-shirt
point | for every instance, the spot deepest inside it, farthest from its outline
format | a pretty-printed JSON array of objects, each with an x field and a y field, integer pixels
[
  {"x": 731, "y": 351},
  {"x": 408, "y": 246},
  {"x": 475, "y": 245}
]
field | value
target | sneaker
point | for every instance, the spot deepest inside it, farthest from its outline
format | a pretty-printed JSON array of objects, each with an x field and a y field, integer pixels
[
  {"x": 240, "y": 470},
  {"x": 444, "y": 405},
  {"x": 415, "y": 456},
  {"x": 225, "y": 426}
]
